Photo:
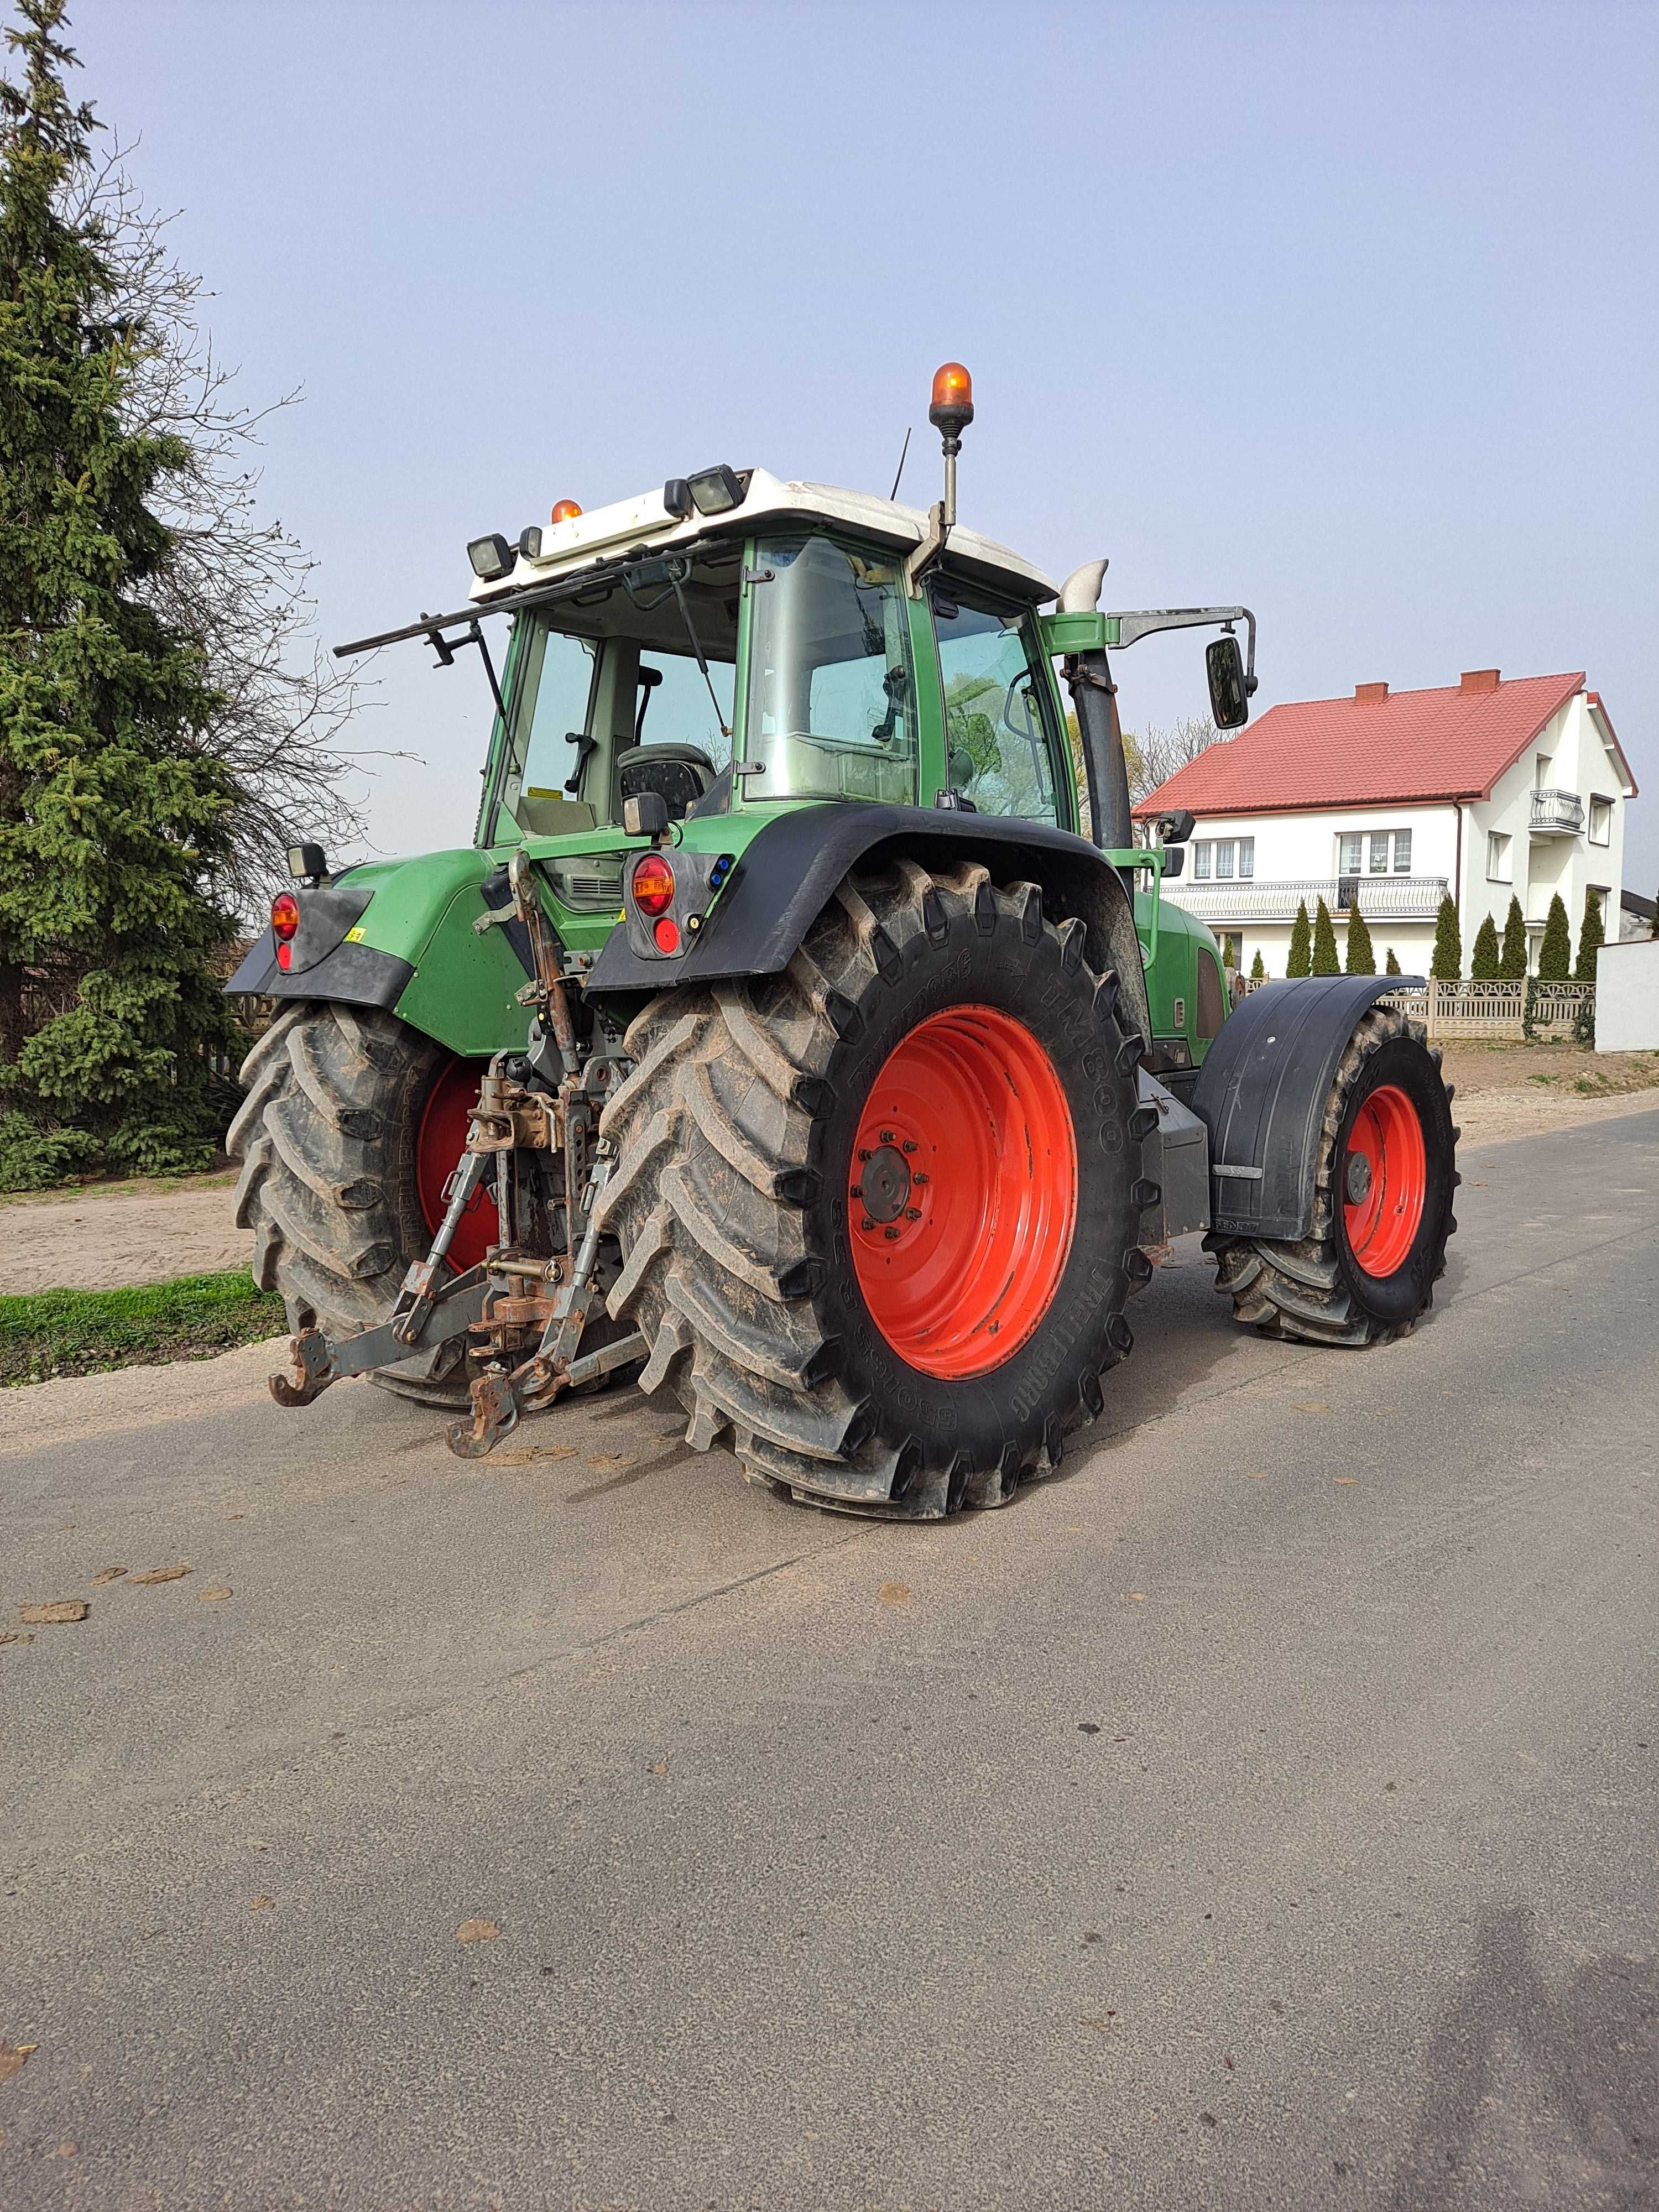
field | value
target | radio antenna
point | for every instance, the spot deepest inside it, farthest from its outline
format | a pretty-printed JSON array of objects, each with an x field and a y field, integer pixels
[{"x": 894, "y": 493}]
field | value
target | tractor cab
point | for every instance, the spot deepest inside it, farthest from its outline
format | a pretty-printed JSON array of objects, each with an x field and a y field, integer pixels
[{"x": 784, "y": 652}]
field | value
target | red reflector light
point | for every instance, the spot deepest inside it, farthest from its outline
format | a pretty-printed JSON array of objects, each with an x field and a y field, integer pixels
[
  {"x": 667, "y": 935},
  {"x": 653, "y": 885},
  {"x": 284, "y": 915},
  {"x": 284, "y": 955}
]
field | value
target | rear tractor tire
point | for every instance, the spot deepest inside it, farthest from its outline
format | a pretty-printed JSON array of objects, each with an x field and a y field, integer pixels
[
  {"x": 1384, "y": 1184},
  {"x": 351, "y": 1123},
  {"x": 879, "y": 1214}
]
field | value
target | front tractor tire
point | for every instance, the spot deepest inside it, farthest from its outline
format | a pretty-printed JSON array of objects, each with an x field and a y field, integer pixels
[
  {"x": 879, "y": 1214},
  {"x": 352, "y": 1122},
  {"x": 1383, "y": 1185}
]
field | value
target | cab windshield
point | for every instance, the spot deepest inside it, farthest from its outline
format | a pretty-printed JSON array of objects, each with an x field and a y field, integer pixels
[{"x": 830, "y": 704}]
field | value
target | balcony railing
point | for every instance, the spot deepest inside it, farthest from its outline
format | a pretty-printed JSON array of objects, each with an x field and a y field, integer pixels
[
  {"x": 1557, "y": 813},
  {"x": 1381, "y": 898}
]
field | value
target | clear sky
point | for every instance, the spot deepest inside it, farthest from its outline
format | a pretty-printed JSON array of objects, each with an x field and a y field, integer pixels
[{"x": 1351, "y": 312}]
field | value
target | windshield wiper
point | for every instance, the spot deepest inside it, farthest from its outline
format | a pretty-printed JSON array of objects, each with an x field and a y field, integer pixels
[
  {"x": 674, "y": 572},
  {"x": 677, "y": 571}
]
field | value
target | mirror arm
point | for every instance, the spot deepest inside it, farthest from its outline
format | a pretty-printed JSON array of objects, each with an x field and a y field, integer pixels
[{"x": 1132, "y": 628}]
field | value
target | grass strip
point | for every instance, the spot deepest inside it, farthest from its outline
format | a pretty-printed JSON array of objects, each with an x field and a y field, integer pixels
[{"x": 88, "y": 1332}]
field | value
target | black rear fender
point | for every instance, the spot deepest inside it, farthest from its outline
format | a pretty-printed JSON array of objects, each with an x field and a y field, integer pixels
[
  {"x": 788, "y": 873},
  {"x": 1262, "y": 1092}
]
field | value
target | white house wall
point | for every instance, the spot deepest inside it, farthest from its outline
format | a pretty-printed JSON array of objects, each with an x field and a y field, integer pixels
[{"x": 1302, "y": 849}]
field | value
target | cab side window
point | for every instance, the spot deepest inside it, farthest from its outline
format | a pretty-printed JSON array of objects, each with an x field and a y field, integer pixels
[{"x": 1001, "y": 745}]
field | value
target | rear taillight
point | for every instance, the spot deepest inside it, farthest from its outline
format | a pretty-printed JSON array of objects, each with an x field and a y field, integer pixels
[
  {"x": 652, "y": 884},
  {"x": 284, "y": 921}
]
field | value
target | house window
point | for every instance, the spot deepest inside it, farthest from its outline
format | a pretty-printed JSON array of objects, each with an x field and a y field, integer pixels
[
  {"x": 1497, "y": 859},
  {"x": 1600, "y": 821},
  {"x": 1374, "y": 852},
  {"x": 1223, "y": 860}
]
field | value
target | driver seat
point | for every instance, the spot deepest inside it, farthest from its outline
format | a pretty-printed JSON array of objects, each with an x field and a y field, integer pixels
[{"x": 680, "y": 773}]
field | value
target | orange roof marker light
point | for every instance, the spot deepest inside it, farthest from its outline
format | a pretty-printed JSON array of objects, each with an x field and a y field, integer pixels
[{"x": 565, "y": 510}]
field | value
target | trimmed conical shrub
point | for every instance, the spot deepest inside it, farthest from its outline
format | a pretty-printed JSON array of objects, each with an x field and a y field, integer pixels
[
  {"x": 1555, "y": 953},
  {"x": 1447, "y": 965},
  {"x": 1512, "y": 960},
  {"x": 1361, "y": 960},
  {"x": 1300, "y": 961},
  {"x": 1325, "y": 961},
  {"x": 1258, "y": 967},
  {"x": 1590, "y": 938},
  {"x": 1391, "y": 966},
  {"x": 1484, "y": 961}
]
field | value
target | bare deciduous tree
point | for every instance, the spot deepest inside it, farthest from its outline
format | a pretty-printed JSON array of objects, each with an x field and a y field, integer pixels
[
  {"x": 237, "y": 583},
  {"x": 1155, "y": 754}
]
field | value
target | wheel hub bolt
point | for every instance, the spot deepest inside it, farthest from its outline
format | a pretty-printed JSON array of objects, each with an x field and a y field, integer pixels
[
  {"x": 888, "y": 1137},
  {"x": 892, "y": 1235},
  {"x": 909, "y": 1144},
  {"x": 918, "y": 1177},
  {"x": 913, "y": 1213},
  {"x": 867, "y": 1223}
]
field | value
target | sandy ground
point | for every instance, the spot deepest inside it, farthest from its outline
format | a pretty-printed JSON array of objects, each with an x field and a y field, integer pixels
[
  {"x": 138, "y": 1234},
  {"x": 149, "y": 1232}
]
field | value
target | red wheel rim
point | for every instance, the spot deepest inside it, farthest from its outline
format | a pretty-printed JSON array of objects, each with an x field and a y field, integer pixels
[
  {"x": 963, "y": 1192},
  {"x": 1384, "y": 1181},
  {"x": 443, "y": 1133}
]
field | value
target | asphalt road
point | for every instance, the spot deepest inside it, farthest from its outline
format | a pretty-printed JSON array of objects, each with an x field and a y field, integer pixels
[{"x": 1263, "y": 1812}]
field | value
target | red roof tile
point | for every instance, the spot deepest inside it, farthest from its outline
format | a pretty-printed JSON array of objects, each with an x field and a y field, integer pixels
[{"x": 1450, "y": 744}]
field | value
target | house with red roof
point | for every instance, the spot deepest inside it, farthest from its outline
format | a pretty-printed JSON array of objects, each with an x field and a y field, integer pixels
[{"x": 1388, "y": 801}]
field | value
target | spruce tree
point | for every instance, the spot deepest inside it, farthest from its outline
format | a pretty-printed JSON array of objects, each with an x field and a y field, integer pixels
[
  {"x": 1555, "y": 954},
  {"x": 1258, "y": 967},
  {"x": 1512, "y": 960},
  {"x": 1325, "y": 961},
  {"x": 1391, "y": 966},
  {"x": 1299, "y": 963},
  {"x": 1590, "y": 938},
  {"x": 1361, "y": 960},
  {"x": 1447, "y": 965},
  {"x": 1484, "y": 961},
  {"x": 112, "y": 822}
]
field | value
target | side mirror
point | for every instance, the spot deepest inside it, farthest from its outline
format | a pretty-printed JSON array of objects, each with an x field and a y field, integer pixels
[
  {"x": 1175, "y": 859},
  {"x": 1230, "y": 698},
  {"x": 1176, "y": 829}
]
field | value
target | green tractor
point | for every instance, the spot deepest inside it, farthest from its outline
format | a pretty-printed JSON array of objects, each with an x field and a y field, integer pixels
[{"x": 779, "y": 1038}]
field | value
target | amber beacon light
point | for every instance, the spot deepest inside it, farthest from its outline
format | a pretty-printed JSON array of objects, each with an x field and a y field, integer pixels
[
  {"x": 952, "y": 409},
  {"x": 565, "y": 510}
]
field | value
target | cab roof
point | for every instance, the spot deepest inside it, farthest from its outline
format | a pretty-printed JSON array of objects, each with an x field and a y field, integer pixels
[{"x": 586, "y": 540}]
